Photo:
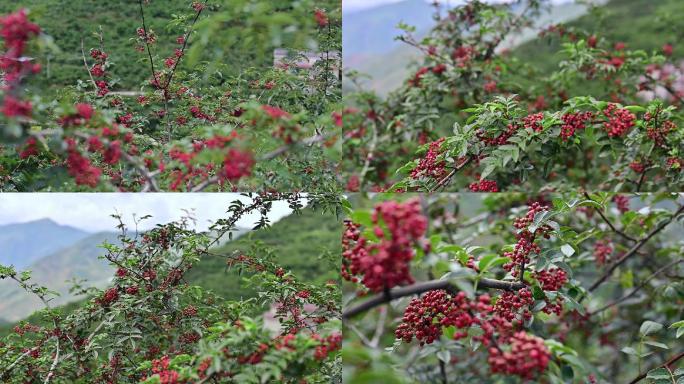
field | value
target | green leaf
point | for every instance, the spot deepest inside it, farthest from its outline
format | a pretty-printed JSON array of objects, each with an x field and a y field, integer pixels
[
  {"x": 567, "y": 250},
  {"x": 630, "y": 351},
  {"x": 656, "y": 344},
  {"x": 648, "y": 327},
  {"x": 658, "y": 373}
]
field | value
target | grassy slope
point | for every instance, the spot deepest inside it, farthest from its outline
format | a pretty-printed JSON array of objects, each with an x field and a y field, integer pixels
[
  {"x": 298, "y": 239},
  {"x": 630, "y": 21},
  {"x": 67, "y": 21}
]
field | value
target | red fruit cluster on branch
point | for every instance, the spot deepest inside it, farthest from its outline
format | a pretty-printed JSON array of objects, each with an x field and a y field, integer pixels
[
  {"x": 16, "y": 30},
  {"x": 602, "y": 251},
  {"x": 620, "y": 120},
  {"x": 533, "y": 122},
  {"x": 80, "y": 167},
  {"x": 328, "y": 345},
  {"x": 552, "y": 279},
  {"x": 160, "y": 368},
  {"x": 526, "y": 357},
  {"x": 321, "y": 18},
  {"x": 98, "y": 70},
  {"x": 425, "y": 317},
  {"x": 526, "y": 239},
  {"x": 622, "y": 203},
  {"x": 236, "y": 163},
  {"x": 484, "y": 186},
  {"x": 429, "y": 166},
  {"x": 384, "y": 264},
  {"x": 573, "y": 122},
  {"x": 501, "y": 139},
  {"x": 510, "y": 304}
]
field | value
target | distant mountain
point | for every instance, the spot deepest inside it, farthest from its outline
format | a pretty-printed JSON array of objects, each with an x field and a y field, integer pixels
[
  {"x": 372, "y": 31},
  {"x": 77, "y": 261},
  {"x": 299, "y": 240},
  {"x": 369, "y": 46},
  {"x": 22, "y": 244}
]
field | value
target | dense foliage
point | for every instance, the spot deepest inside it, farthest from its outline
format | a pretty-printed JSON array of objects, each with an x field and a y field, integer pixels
[
  {"x": 152, "y": 326},
  {"x": 198, "y": 122},
  {"x": 476, "y": 117},
  {"x": 548, "y": 289}
]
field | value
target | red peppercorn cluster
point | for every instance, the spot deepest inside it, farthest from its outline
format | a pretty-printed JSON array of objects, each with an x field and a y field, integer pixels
[
  {"x": 525, "y": 356},
  {"x": 429, "y": 166},
  {"x": 236, "y": 164},
  {"x": 328, "y": 345},
  {"x": 526, "y": 239},
  {"x": 622, "y": 203},
  {"x": 620, "y": 120},
  {"x": 674, "y": 163},
  {"x": 510, "y": 304},
  {"x": 98, "y": 71},
  {"x": 16, "y": 30},
  {"x": 321, "y": 17},
  {"x": 110, "y": 296},
  {"x": 484, "y": 186},
  {"x": 573, "y": 122},
  {"x": 385, "y": 264},
  {"x": 658, "y": 131},
  {"x": 533, "y": 121},
  {"x": 80, "y": 167},
  {"x": 602, "y": 251},
  {"x": 425, "y": 317},
  {"x": 501, "y": 139},
  {"x": 160, "y": 368},
  {"x": 552, "y": 279},
  {"x": 637, "y": 166}
]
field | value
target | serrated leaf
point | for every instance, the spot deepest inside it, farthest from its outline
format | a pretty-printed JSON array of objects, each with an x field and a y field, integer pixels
[
  {"x": 649, "y": 327},
  {"x": 567, "y": 250}
]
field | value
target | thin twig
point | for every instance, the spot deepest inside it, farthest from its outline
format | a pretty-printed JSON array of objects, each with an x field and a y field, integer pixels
[
  {"x": 637, "y": 289},
  {"x": 665, "y": 364},
  {"x": 612, "y": 227},
  {"x": 635, "y": 249},
  {"x": 85, "y": 63},
  {"x": 416, "y": 289}
]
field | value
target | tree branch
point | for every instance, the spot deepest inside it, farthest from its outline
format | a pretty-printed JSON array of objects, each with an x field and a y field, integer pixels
[
  {"x": 605, "y": 219},
  {"x": 635, "y": 249},
  {"x": 637, "y": 289},
  {"x": 416, "y": 289},
  {"x": 665, "y": 364}
]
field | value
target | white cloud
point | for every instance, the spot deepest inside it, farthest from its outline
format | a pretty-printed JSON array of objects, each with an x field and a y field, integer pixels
[{"x": 91, "y": 211}]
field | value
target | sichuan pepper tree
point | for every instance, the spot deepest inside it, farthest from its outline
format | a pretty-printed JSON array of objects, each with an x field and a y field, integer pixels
[
  {"x": 549, "y": 289},
  {"x": 196, "y": 124},
  {"x": 467, "y": 66},
  {"x": 152, "y": 326}
]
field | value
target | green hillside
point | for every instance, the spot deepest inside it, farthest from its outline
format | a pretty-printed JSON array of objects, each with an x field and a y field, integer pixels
[
  {"x": 78, "y": 261},
  {"x": 67, "y": 21},
  {"x": 298, "y": 239},
  {"x": 641, "y": 24}
]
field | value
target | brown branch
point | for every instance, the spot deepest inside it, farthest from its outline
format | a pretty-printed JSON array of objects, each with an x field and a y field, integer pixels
[
  {"x": 672, "y": 360},
  {"x": 637, "y": 289},
  {"x": 147, "y": 45},
  {"x": 442, "y": 182},
  {"x": 85, "y": 63},
  {"x": 605, "y": 219},
  {"x": 635, "y": 249},
  {"x": 416, "y": 289}
]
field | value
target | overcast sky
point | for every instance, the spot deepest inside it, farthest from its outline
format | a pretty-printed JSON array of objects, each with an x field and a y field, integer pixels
[{"x": 91, "y": 211}]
